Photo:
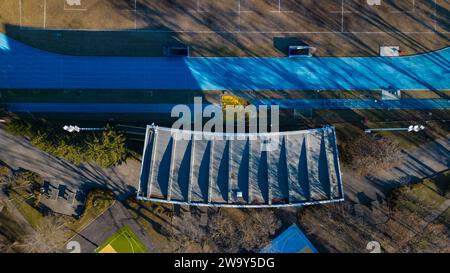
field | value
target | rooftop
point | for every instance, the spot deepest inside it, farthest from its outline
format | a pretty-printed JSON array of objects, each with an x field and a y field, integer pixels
[{"x": 235, "y": 170}]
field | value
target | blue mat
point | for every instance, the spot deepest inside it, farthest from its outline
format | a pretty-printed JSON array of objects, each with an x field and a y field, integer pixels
[
  {"x": 292, "y": 240},
  {"x": 22, "y": 66}
]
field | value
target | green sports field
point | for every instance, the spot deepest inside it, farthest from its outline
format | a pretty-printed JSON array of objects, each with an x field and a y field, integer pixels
[{"x": 124, "y": 241}]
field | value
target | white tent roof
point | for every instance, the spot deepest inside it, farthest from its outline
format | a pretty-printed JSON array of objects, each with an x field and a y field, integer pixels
[{"x": 234, "y": 169}]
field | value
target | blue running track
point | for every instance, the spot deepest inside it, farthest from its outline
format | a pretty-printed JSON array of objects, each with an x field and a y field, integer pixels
[
  {"x": 141, "y": 108},
  {"x": 22, "y": 66},
  {"x": 356, "y": 104}
]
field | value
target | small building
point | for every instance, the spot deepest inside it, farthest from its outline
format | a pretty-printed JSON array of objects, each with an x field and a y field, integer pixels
[{"x": 292, "y": 240}]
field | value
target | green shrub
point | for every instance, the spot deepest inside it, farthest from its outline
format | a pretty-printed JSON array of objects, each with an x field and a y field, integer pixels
[
  {"x": 19, "y": 127},
  {"x": 99, "y": 200},
  {"x": 106, "y": 148}
]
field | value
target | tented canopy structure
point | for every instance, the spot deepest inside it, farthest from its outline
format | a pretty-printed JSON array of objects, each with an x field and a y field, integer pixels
[{"x": 240, "y": 170}]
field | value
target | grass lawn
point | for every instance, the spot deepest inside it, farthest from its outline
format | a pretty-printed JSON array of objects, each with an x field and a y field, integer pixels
[
  {"x": 9, "y": 226},
  {"x": 433, "y": 130},
  {"x": 32, "y": 215},
  {"x": 439, "y": 183},
  {"x": 124, "y": 241},
  {"x": 430, "y": 192},
  {"x": 22, "y": 193}
]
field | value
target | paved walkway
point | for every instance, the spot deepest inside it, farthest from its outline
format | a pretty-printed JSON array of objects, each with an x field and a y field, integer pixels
[{"x": 26, "y": 67}]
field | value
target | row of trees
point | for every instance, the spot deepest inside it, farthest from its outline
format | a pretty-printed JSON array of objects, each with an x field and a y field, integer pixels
[
  {"x": 228, "y": 230},
  {"x": 106, "y": 148}
]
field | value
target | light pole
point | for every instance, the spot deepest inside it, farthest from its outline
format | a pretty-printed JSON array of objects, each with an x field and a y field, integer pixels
[
  {"x": 410, "y": 129},
  {"x": 76, "y": 129}
]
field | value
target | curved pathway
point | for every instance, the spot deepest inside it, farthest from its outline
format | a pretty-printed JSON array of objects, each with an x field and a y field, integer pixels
[{"x": 22, "y": 66}]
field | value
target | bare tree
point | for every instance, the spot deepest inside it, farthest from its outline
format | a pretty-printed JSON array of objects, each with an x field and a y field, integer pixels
[
  {"x": 186, "y": 232},
  {"x": 250, "y": 233},
  {"x": 6, "y": 245},
  {"x": 48, "y": 238},
  {"x": 224, "y": 233},
  {"x": 260, "y": 226},
  {"x": 370, "y": 152}
]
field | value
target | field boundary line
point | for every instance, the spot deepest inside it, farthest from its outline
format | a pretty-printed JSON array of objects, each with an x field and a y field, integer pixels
[{"x": 237, "y": 32}]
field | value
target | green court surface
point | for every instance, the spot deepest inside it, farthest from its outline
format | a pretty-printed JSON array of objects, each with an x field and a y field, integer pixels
[{"x": 124, "y": 241}]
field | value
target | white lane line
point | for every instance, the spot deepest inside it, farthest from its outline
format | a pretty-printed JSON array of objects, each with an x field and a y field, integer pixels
[
  {"x": 342, "y": 15},
  {"x": 45, "y": 13},
  {"x": 247, "y": 32},
  {"x": 239, "y": 15},
  {"x": 280, "y": 10},
  {"x": 20, "y": 13},
  {"x": 435, "y": 15}
]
